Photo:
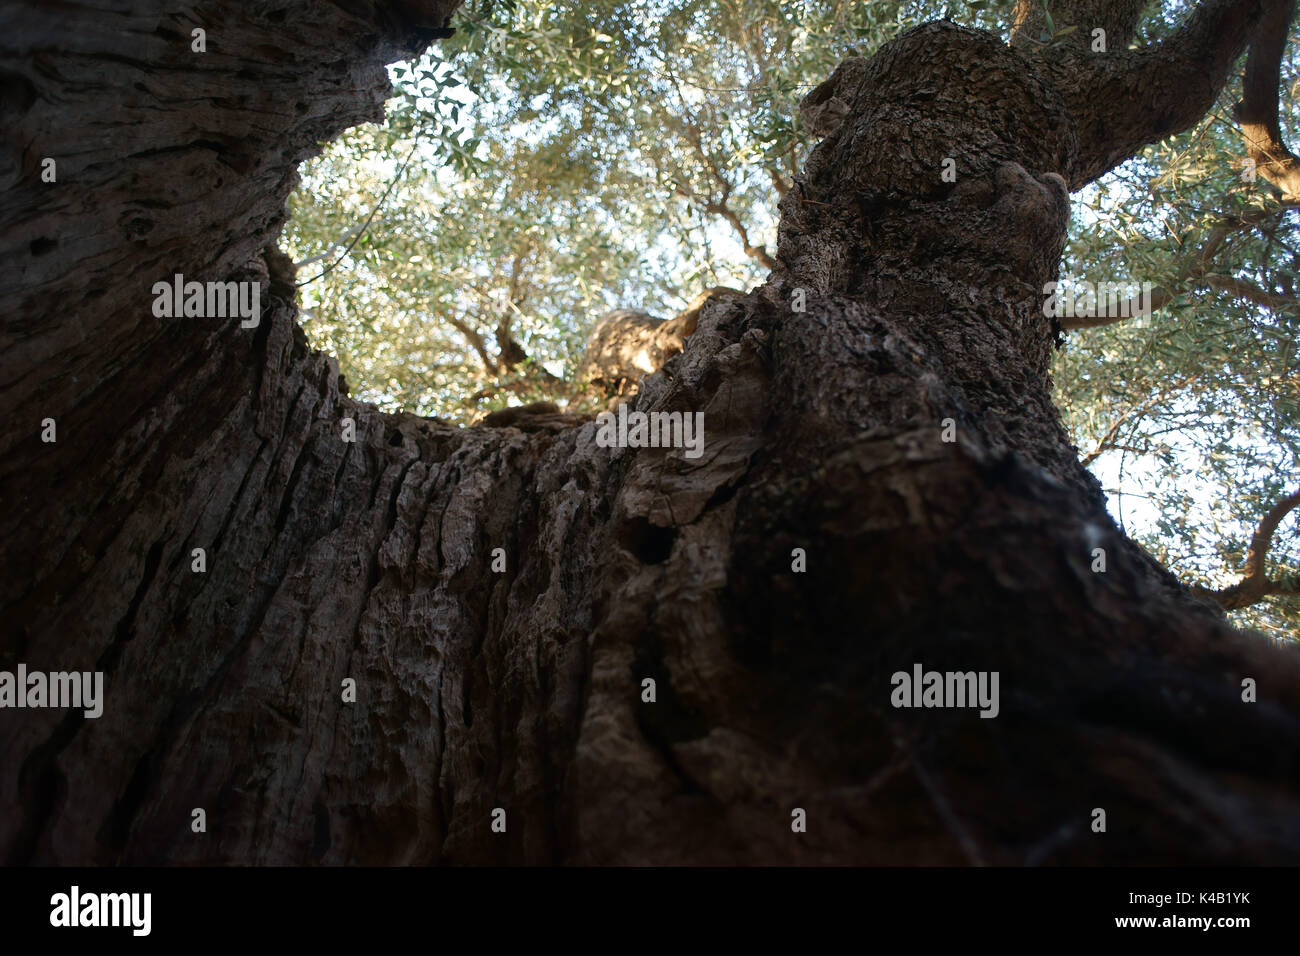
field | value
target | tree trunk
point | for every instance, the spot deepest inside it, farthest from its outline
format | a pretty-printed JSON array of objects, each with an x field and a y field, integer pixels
[{"x": 522, "y": 689}]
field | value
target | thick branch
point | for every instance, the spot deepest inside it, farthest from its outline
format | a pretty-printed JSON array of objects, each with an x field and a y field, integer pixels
[
  {"x": 511, "y": 352},
  {"x": 1129, "y": 309},
  {"x": 1258, "y": 110},
  {"x": 1119, "y": 18},
  {"x": 1242, "y": 289},
  {"x": 1160, "y": 297},
  {"x": 1196, "y": 268},
  {"x": 779, "y": 182},
  {"x": 1122, "y": 100},
  {"x": 1255, "y": 585}
]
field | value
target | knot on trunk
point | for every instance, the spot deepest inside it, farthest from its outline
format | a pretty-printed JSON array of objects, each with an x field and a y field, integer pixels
[
  {"x": 939, "y": 110},
  {"x": 938, "y": 104}
]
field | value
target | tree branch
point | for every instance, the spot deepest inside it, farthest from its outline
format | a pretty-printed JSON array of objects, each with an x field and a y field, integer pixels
[
  {"x": 511, "y": 352},
  {"x": 1129, "y": 309},
  {"x": 1121, "y": 99},
  {"x": 719, "y": 207},
  {"x": 1160, "y": 297},
  {"x": 1242, "y": 289},
  {"x": 337, "y": 243},
  {"x": 1258, "y": 110},
  {"x": 1108, "y": 441},
  {"x": 362, "y": 228},
  {"x": 1255, "y": 585},
  {"x": 1119, "y": 18},
  {"x": 1196, "y": 268},
  {"x": 472, "y": 336},
  {"x": 779, "y": 182},
  {"x": 755, "y": 252}
]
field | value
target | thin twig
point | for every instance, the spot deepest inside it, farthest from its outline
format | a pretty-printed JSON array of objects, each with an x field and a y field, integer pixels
[{"x": 360, "y": 232}]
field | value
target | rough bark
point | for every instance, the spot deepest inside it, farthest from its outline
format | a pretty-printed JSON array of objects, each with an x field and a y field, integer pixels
[
  {"x": 1118, "y": 18},
  {"x": 1122, "y": 99},
  {"x": 522, "y": 689}
]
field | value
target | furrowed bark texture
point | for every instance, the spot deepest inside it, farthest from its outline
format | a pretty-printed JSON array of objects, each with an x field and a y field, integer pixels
[{"x": 522, "y": 689}]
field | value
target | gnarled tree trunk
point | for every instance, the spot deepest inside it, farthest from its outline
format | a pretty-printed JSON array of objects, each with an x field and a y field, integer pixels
[{"x": 479, "y": 688}]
